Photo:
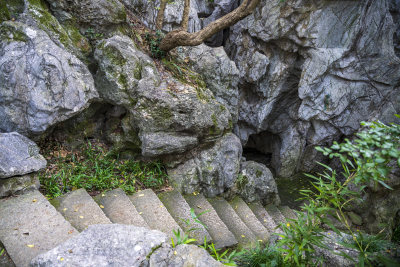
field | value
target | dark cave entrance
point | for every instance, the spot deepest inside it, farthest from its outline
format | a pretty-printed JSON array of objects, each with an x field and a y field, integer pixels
[{"x": 261, "y": 148}]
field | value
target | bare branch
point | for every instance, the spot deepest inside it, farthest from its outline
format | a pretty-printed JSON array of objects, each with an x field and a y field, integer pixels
[
  {"x": 183, "y": 38},
  {"x": 185, "y": 16}
]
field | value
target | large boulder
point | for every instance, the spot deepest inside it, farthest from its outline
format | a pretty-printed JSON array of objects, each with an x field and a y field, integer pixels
[
  {"x": 168, "y": 116},
  {"x": 41, "y": 83},
  {"x": 256, "y": 183},
  {"x": 309, "y": 76},
  {"x": 18, "y": 155},
  {"x": 211, "y": 171},
  {"x": 218, "y": 71}
]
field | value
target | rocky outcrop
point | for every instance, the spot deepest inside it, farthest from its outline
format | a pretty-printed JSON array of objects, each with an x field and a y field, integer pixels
[
  {"x": 211, "y": 171},
  {"x": 88, "y": 13},
  {"x": 18, "y": 155},
  {"x": 168, "y": 116},
  {"x": 218, "y": 71},
  {"x": 41, "y": 82},
  {"x": 310, "y": 72}
]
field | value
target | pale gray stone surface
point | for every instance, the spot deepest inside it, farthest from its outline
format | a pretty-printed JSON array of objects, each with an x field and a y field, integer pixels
[
  {"x": 310, "y": 72},
  {"x": 113, "y": 245},
  {"x": 18, "y": 184},
  {"x": 221, "y": 236},
  {"x": 170, "y": 117},
  {"x": 181, "y": 212},
  {"x": 30, "y": 225},
  {"x": 181, "y": 256},
  {"x": 250, "y": 219},
  {"x": 154, "y": 212},
  {"x": 41, "y": 83},
  {"x": 119, "y": 209},
  {"x": 243, "y": 234},
  {"x": 256, "y": 183},
  {"x": 212, "y": 171},
  {"x": 79, "y": 209},
  {"x": 219, "y": 72},
  {"x": 98, "y": 13},
  {"x": 19, "y": 155}
]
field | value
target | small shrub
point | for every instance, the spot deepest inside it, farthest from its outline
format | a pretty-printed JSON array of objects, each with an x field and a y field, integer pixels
[{"x": 154, "y": 41}]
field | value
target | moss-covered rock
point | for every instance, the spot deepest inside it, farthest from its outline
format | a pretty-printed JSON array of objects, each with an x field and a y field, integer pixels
[
  {"x": 67, "y": 35},
  {"x": 97, "y": 14}
]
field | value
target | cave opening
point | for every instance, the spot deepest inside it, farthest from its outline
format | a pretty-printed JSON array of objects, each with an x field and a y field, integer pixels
[{"x": 261, "y": 148}]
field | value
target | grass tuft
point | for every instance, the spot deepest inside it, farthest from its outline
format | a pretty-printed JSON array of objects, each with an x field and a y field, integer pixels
[{"x": 93, "y": 169}]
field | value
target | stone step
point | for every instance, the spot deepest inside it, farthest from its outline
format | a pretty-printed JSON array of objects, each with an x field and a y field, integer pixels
[
  {"x": 80, "y": 209},
  {"x": 275, "y": 214},
  {"x": 251, "y": 221},
  {"x": 154, "y": 212},
  {"x": 119, "y": 209},
  {"x": 264, "y": 217},
  {"x": 287, "y": 212},
  {"x": 181, "y": 212},
  {"x": 218, "y": 231},
  {"x": 243, "y": 234},
  {"x": 30, "y": 225}
]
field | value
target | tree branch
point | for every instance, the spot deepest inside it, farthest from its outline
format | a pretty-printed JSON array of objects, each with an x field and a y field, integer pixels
[
  {"x": 160, "y": 14},
  {"x": 185, "y": 16},
  {"x": 183, "y": 38}
]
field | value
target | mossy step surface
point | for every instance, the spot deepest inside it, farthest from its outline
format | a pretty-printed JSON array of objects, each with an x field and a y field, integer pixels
[
  {"x": 119, "y": 209},
  {"x": 264, "y": 217},
  {"x": 180, "y": 211},
  {"x": 287, "y": 212},
  {"x": 243, "y": 234},
  {"x": 275, "y": 214},
  {"x": 219, "y": 232},
  {"x": 30, "y": 225},
  {"x": 250, "y": 219},
  {"x": 154, "y": 212},
  {"x": 80, "y": 209}
]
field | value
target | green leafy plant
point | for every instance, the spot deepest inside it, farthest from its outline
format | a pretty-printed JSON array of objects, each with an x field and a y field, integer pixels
[
  {"x": 367, "y": 158},
  {"x": 268, "y": 256},
  {"x": 95, "y": 170},
  {"x": 154, "y": 41},
  {"x": 225, "y": 257},
  {"x": 181, "y": 238}
]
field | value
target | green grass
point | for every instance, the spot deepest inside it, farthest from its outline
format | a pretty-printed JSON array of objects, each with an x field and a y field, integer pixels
[
  {"x": 95, "y": 170},
  {"x": 267, "y": 256}
]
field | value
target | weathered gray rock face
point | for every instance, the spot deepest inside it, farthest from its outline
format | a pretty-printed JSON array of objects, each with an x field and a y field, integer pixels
[
  {"x": 40, "y": 82},
  {"x": 219, "y": 72},
  {"x": 18, "y": 184},
  {"x": 147, "y": 11},
  {"x": 99, "y": 13},
  {"x": 19, "y": 155},
  {"x": 182, "y": 255},
  {"x": 169, "y": 117},
  {"x": 104, "y": 245},
  {"x": 256, "y": 183},
  {"x": 309, "y": 75},
  {"x": 212, "y": 171}
]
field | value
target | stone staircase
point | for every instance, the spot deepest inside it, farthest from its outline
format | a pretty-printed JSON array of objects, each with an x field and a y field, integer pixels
[{"x": 31, "y": 225}]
